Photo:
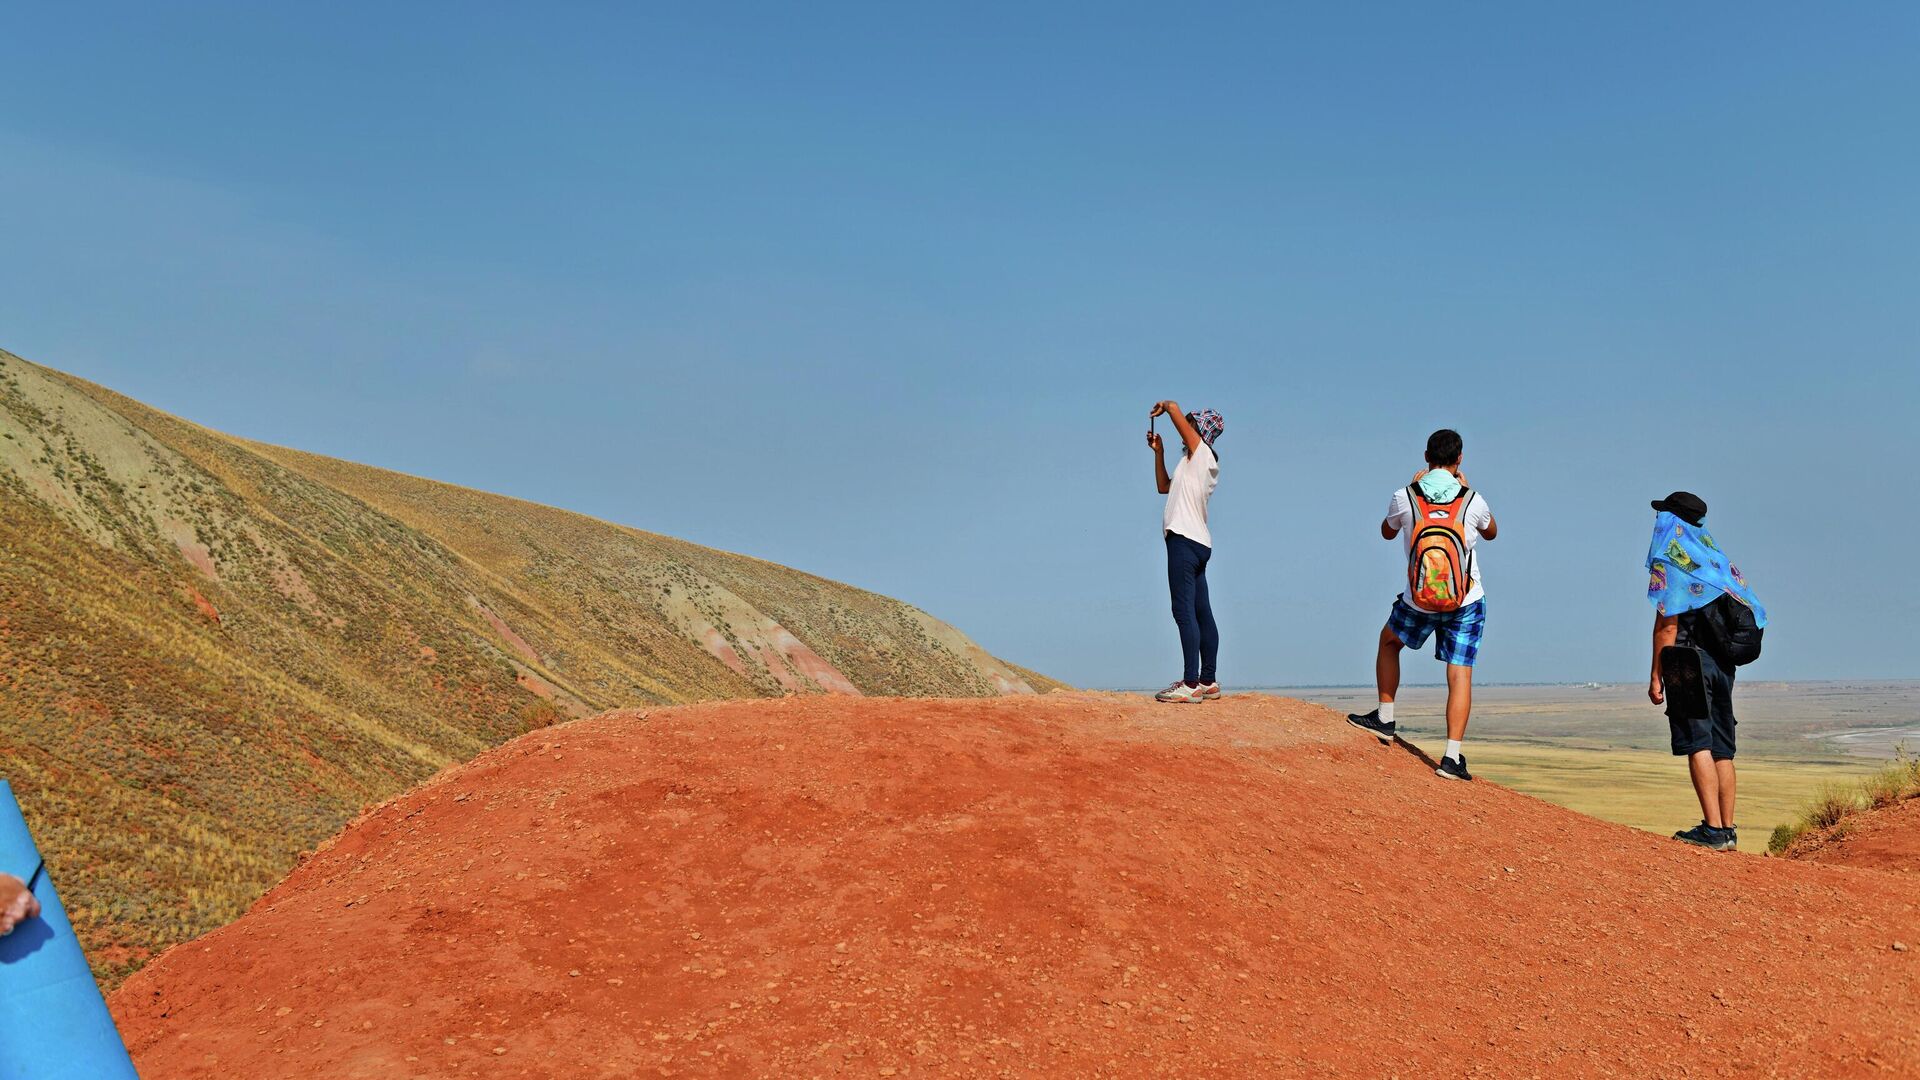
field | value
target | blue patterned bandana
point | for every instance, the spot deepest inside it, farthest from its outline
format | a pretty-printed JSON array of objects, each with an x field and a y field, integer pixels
[{"x": 1687, "y": 570}]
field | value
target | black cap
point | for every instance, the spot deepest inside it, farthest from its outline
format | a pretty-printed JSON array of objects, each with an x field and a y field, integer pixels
[{"x": 1686, "y": 505}]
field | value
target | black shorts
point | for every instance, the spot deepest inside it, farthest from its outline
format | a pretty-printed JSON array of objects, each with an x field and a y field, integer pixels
[{"x": 1699, "y": 702}]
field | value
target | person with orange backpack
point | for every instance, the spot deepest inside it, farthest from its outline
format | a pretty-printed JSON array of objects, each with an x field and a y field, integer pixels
[{"x": 1440, "y": 521}]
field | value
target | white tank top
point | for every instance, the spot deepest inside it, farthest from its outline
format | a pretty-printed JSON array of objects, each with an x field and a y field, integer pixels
[{"x": 1194, "y": 479}]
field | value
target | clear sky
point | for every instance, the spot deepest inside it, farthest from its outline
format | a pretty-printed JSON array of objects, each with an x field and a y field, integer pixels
[{"x": 885, "y": 292}]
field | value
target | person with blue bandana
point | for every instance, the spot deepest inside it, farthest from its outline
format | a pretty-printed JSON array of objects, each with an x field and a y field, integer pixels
[{"x": 1706, "y": 623}]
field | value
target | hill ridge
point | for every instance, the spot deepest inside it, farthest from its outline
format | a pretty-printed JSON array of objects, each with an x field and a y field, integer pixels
[
  {"x": 234, "y": 646},
  {"x": 1075, "y": 885}
]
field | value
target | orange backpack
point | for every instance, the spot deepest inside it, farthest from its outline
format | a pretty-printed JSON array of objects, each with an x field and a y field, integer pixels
[{"x": 1440, "y": 564}]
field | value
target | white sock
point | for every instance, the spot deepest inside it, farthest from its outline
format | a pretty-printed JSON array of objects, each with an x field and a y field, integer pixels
[
  {"x": 1453, "y": 750},
  {"x": 1386, "y": 712}
]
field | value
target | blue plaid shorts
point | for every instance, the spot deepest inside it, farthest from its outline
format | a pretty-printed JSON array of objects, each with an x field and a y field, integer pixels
[{"x": 1458, "y": 640}]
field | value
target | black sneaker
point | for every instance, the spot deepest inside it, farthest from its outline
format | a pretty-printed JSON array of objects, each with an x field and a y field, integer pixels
[
  {"x": 1372, "y": 724},
  {"x": 1706, "y": 836},
  {"x": 1695, "y": 835},
  {"x": 1453, "y": 768}
]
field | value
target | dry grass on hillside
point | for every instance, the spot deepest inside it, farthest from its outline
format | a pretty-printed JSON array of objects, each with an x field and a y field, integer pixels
[
  {"x": 1828, "y": 815},
  {"x": 214, "y": 653}
]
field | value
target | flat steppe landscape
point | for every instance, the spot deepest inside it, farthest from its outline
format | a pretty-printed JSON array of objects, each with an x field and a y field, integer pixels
[{"x": 1603, "y": 751}]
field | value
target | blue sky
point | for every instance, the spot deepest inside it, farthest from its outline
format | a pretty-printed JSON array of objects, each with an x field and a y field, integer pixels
[{"x": 885, "y": 294}]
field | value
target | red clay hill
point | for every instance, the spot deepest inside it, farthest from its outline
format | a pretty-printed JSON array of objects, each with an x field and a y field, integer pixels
[
  {"x": 1072, "y": 885},
  {"x": 1886, "y": 838}
]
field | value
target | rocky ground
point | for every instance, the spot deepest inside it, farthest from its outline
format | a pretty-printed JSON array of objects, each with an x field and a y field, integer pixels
[{"x": 1069, "y": 885}]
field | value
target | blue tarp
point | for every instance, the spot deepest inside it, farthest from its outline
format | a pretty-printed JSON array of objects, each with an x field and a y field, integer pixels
[{"x": 53, "y": 1023}]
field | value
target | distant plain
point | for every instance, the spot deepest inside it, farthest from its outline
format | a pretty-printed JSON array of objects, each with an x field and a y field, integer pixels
[{"x": 1603, "y": 751}]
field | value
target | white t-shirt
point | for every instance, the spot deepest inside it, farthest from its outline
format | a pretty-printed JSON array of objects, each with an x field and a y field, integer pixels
[
  {"x": 1479, "y": 516},
  {"x": 1194, "y": 479}
]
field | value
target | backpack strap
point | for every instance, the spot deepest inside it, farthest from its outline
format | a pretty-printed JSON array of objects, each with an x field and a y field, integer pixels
[{"x": 1471, "y": 544}]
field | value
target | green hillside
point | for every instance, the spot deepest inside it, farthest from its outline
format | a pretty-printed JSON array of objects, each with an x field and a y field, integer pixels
[{"x": 213, "y": 652}]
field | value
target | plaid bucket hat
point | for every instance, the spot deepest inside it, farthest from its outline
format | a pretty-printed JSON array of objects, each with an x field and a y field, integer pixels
[{"x": 1208, "y": 423}]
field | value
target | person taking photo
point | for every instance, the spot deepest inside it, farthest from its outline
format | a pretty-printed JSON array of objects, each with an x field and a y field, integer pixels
[
  {"x": 1183, "y": 526},
  {"x": 1440, "y": 522}
]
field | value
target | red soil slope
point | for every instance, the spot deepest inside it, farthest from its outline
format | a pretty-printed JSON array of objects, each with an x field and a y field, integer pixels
[
  {"x": 1077, "y": 885},
  {"x": 1884, "y": 839}
]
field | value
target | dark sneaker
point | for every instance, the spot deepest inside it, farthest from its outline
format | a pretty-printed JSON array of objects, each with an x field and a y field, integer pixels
[
  {"x": 1372, "y": 724},
  {"x": 1453, "y": 768},
  {"x": 1706, "y": 836}
]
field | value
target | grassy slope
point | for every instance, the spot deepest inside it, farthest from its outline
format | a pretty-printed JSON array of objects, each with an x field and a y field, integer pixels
[
  {"x": 213, "y": 653},
  {"x": 1834, "y": 812},
  {"x": 1603, "y": 753},
  {"x": 605, "y": 579},
  {"x": 1647, "y": 789}
]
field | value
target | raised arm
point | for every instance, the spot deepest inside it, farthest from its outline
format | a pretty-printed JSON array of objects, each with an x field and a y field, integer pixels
[
  {"x": 1491, "y": 529},
  {"x": 1160, "y": 478},
  {"x": 1666, "y": 631},
  {"x": 1388, "y": 530},
  {"x": 1188, "y": 433}
]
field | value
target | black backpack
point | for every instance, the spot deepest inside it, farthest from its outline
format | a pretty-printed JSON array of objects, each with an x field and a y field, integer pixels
[{"x": 1729, "y": 633}]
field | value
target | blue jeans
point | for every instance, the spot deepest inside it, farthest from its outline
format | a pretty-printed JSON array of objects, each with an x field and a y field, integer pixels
[{"x": 1187, "y": 581}]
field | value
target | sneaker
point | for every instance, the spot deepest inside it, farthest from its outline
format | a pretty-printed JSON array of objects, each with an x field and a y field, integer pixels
[
  {"x": 1180, "y": 694},
  {"x": 1371, "y": 724},
  {"x": 1706, "y": 836},
  {"x": 1210, "y": 690},
  {"x": 1695, "y": 835},
  {"x": 1453, "y": 768}
]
